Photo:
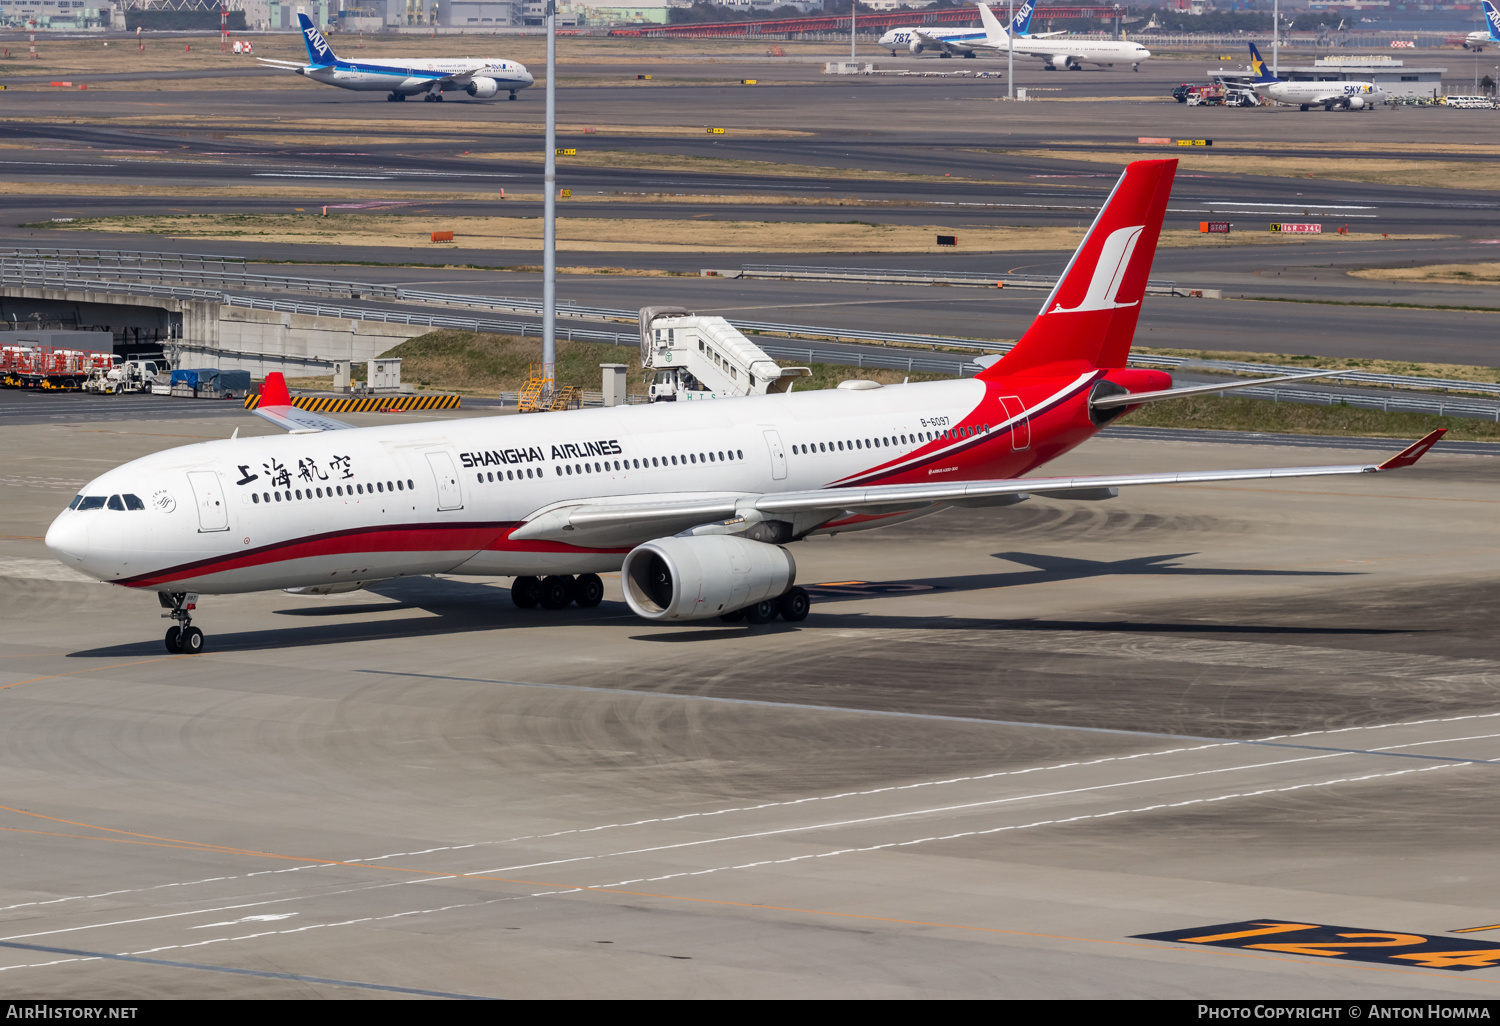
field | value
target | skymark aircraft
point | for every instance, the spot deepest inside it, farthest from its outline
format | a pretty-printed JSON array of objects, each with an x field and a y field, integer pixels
[
  {"x": 1071, "y": 52},
  {"x": 1487, "y": 36},
  {"x": 1328, "y": 95},
  {"x": 694, "y": 503},
  {"x": 405, "y": 76},
  {"x": 964, "y": 41}
]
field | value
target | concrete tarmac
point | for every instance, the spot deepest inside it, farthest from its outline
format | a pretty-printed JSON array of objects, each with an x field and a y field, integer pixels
[{"x": 1004, "y": 746}]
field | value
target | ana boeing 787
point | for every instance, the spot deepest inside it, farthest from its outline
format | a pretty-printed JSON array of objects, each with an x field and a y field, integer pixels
[{"x": 694, "y": 503}]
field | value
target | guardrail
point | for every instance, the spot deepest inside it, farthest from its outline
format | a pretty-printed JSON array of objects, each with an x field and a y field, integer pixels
[
  {"x": 915, "y": 277},
  {"x": 120, "y": 257},
  {"x": 56, "y": 277}
]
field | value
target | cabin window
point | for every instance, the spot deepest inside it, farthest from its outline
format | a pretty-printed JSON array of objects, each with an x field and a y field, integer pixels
[{"x": 739, "y": 454}]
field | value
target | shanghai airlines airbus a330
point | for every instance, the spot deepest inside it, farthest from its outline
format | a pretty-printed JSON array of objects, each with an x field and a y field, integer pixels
[{"x": 692, "y": 502}]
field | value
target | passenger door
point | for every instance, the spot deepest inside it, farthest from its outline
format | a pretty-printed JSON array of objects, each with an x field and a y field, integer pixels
[
  {"x": 445, "y": 476},
  {"x": 213, "y": 512},
  {"x": 778, "y": 455}
]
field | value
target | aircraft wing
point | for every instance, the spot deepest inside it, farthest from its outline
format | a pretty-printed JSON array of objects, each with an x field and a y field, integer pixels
[
  {"x": 462, "y": 77},
  {"x": 289, "y": 65},
  {"x": 276, "y": 407},
  {"x": 931, "y": 40},
  {"x": 610, "y": 522}
]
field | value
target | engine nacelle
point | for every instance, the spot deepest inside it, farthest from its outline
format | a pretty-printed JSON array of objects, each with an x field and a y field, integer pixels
[
  {"x": 705, "y": 576},
  {"x": 482, "y": 88},
  {"x": 1356, "y": 103},
  {"x": 1058, "y": 61},
  {"x": 914, "y": 46}
]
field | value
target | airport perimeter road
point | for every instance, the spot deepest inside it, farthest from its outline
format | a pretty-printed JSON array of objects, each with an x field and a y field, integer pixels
[{"x": 1003, "y": 747}]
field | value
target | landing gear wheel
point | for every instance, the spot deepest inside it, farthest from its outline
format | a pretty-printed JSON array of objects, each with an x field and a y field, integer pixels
[
  {"x": 794, "y": 605},
  {"x": 588, "y": 591},
  {"x": 191, "y": 641},
  {"x": 738, "y": 616},
  {"x": 512, "y": 96},
  {"x": 761, "y": 612},
  {"x": 173, "y": 640},
  {"x": 556, "y": 592},
  {"x": 526, "y": 592}
]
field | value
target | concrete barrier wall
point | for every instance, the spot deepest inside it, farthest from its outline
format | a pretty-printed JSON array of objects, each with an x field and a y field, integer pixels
[
  {"x": 215, "y": 334},
  {"x": 267, "y": 340}
]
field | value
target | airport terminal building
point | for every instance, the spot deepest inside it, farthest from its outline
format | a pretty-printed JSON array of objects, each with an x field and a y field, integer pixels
[{"x": 1390, "y": 74}]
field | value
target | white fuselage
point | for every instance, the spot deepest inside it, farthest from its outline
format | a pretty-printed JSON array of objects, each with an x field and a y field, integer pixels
[
  {"x": 963, "y": 40},
  {"x": 1329, "y": 94},
  {"x": 415, "y": 75},
  {"x": 1072, "y": 51},
  {"x": 366, "y": 504}
]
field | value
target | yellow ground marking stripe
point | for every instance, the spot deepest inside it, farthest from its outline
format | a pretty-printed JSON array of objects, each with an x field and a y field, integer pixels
[{"x": 91, "y": 669}]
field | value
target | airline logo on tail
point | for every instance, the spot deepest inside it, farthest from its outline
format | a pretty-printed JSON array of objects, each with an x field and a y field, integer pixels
[
  {"x": 1492, "y": 19},
  {"x": 1109, "y": 273},
  {"x": 1022, "y": 24},
  {"x": 1258, "y": 65},
  {"x": 318, "y": 50}
]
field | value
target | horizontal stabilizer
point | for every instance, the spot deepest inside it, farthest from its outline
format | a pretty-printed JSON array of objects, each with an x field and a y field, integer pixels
[{"x": 1104, "y": 402}]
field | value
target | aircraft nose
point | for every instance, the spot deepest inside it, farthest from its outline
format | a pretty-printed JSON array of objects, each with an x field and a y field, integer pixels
[
  {"x": 1145, "y": 54},
  {"x": 68, "y": 539}
]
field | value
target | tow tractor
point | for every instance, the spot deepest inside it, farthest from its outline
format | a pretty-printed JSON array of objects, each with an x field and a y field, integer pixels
[
  {"x": 125, "y": 376},
  {"x": 692, "y": 357}
]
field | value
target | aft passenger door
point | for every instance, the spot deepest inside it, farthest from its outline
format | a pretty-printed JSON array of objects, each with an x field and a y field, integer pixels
[
  {"x": 1020, "y": 431},
  {"x": 445, "y": 476}
]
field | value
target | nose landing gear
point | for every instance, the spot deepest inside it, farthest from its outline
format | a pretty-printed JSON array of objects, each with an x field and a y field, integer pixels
[{"x": 182, "y": 638}]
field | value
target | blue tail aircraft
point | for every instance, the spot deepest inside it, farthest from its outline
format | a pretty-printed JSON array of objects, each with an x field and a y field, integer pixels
[{"x": 480, "y": 77}]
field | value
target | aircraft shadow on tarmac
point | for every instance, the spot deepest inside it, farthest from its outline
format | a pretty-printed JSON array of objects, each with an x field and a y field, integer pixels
[{"x": 449, "y": 606}]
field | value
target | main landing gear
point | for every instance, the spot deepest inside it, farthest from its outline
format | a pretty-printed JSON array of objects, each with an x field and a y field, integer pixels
[
  {"x": 182, "y": 638},
  {"x": 791, "y": 607},
  {"x": 396, "y": 98},
  {"x": 557, "y": 592}
]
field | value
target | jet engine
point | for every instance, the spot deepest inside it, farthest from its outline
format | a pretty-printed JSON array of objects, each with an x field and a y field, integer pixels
[
  {"x": 1356, "y": 103},
  {"x": 705, "y": 576},
  {"x": 482, "y": 88},
  {"x": 1057, "y": 62},
  {"x": 914, "y": 46}
]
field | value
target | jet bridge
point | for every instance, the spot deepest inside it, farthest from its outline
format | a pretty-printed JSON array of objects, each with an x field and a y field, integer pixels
[{"x": 690, "y": 357}]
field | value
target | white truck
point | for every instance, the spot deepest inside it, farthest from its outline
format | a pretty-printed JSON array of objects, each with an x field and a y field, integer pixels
[
  {"x": 690, "y": 357},
  {"x": 124, "y": 376}
]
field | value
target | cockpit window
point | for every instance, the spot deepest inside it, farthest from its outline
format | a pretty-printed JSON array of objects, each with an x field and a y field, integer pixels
[
  {"x": 76, "y": 500},
  {"x": 133, "y": 502},
  {"x": 91, "y": 502},
  {"x": 117, "y": 504}
]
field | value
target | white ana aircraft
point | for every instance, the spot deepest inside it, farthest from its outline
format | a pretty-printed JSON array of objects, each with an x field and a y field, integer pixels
[
  {"x": 1487, "y": 36},
  {"x": 1071, "y": 52},
  {"x": 405, "y": 76},
  {"x": 1328, "y": 95},
  {"x": 694, "y": 503},
  {"x": 963, "y": 41}
]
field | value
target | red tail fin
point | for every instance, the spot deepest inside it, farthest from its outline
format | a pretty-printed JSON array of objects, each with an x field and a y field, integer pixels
[
  {"x": 1090, "y": 317},
  {"x": 273, "y": 391}
]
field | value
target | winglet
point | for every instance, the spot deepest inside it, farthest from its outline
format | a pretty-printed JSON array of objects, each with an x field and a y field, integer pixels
[
  {"x": 1413, "y": 452},
  {"x": 274, "y": 391}
]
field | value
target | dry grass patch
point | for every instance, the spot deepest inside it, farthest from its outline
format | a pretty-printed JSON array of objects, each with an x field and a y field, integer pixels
[
  {"x": 1447, "y": 274},
  {"x": 635, "y": 235},
  {"x": 1232, "y": 413}
]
